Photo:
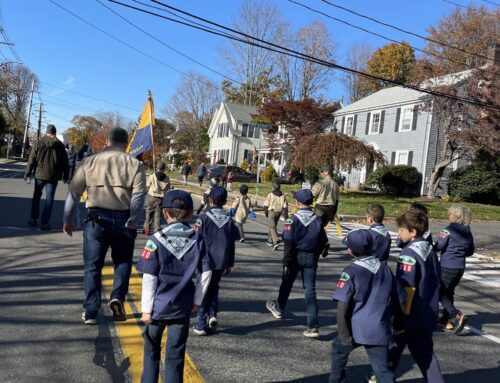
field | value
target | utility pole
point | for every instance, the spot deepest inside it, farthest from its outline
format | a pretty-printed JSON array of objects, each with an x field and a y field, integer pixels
[
  {"x": 39, "y": 123},
  {"x": 28, "y": 120}
]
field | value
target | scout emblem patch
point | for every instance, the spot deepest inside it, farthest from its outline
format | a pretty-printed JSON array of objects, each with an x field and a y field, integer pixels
[
  {"x": 444, "y": 233},
  {"x": 197, "y": 225},
  {"x": 306, "y": 217},
  {"x": 177, "y": 238},
  {"x": 218, "y": 216},
  {"x": 288, "y": 224},
  {"x": 148, "y": 249},
  {"x": 344, "y": 277},
  {"x": 406, "y": 262}
]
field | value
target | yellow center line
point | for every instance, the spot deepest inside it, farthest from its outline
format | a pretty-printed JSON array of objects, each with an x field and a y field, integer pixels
[{"x": 129, "y": 332}]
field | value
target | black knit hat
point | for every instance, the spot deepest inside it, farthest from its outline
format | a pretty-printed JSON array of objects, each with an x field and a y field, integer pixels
[
  {"x": 51, "y": 129},
  {"x": 118, "y": 136}
]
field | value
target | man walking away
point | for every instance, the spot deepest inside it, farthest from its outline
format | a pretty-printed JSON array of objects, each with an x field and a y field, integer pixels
[
  {"x": 48, "y": 162},
  {"x": 116, "y": 186},
  {"x": 72, "y": 161},
  {"x": 326, "y": 194},
  {"x": 201, "y": 172},
  {"x": 186, "y": 171}
]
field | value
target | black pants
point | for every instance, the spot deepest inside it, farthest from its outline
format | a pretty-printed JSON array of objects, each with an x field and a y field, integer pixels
[
  {"x": 200, "y": 179},
  {"x": 325, "y": 213},
  {"x": 449, "y": 280}
]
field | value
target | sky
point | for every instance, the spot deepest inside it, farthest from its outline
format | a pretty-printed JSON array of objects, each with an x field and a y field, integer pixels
[{"x": 85, "y": 71}]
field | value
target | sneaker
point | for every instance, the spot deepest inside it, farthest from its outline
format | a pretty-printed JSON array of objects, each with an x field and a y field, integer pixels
[
  {"x": 45, "y": 227},
  {"x": 459, "y": 321},
  {"x": 213, "y": 322},
  {"x": 242, "y": 240},
  {"x": 273, "y": 307},
  {"x": 311, "y": 333},
  {"x": 269, "y": 243},
  {"x": 32, "y": 222},
  {"x": 119, "y": 314},
  {"x": 276, "y": 246},
  {"x": 448, "y": 326},
  {"x": 371, "y": 378},
  {"x": 88, "y": 320},
  {"x": 199, "y": 329}
]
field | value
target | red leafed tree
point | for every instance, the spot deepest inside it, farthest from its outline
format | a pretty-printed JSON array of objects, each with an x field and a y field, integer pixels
[{"x": 292, "y": 121}]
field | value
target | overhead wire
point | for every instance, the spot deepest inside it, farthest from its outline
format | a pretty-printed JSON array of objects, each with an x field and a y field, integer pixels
[
  {"x": 283, "y": 50},
  {"x": 465, "y": 6}
]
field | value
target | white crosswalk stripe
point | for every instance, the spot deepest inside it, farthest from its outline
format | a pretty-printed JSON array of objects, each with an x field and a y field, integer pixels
[{"x": 480, "y": 269}]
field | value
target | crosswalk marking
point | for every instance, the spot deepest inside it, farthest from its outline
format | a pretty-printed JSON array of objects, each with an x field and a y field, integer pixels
[{"x": 480, "y": 269}]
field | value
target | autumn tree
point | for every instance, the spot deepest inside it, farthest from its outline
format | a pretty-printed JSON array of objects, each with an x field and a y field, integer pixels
[
  {"x": 357, "y": 58},
  {"x": 266, "y": 87},
  {"x": 292, "y": 121},
  {"x": 83, "y": 130},
  {"x": 393, "y": 62},
  {"x": 467, "y": 33}
]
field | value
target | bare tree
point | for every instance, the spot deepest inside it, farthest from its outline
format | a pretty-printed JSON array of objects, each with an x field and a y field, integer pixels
[
  {"x": 115, "y": 120},
  {"x": 303, "y": 79},
  {"x": 247, "y": 63},
  {"x": 357, "y": 58}
]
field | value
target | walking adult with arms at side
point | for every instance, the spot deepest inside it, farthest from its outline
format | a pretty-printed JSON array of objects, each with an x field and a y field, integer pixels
[
  {"x": 326, "y": 194},
  {"x": 186, "y": 171},
  {"x": 201, "y": 173},
  {"x": 48, "y": 163},
  {"x": 116, "y": 186}
]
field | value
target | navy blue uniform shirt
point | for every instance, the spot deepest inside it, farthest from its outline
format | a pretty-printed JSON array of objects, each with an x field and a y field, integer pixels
[
  {"x": 381, "y": 241},
  {"x": 303, "y": 232},
  {"x": 219, "y": 233},
  {"x": 455, "y": 242},
  {"x": 418, "y": 272},
  {"x": 370, "y": 289},
  {"x": 427, "y": 236},
  {"x": 174, "y": 255}
]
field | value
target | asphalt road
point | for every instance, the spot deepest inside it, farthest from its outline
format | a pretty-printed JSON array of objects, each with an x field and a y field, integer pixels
[{"x": 42, "y": 337}]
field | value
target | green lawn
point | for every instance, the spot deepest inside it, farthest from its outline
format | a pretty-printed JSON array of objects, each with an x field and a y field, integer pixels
[{"x": 355, "y": 203}]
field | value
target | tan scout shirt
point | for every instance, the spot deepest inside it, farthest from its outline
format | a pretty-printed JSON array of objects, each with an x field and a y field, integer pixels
[
  {"x": 157, "y": 188},
  {"x": 326, "y": 192},
  {"x": 242, "y": 206},
  {"x": 110, "y": 177},
  {"x": 275, "y": 203}
]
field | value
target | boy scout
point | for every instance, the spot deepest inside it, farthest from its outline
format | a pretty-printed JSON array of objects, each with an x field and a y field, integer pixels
[
  {"x": 220, "y": 234},
  {"x": 418, "y": 273},
  {"x": 116, "y": 186},
  {"x": 305, "y": 239},
  {"x": 418, "y": 208},
  {"x": 169, "y": 261},
  {"x": 381, "y": 237},
  {"x": 326, "y": 194},
  {"x": 366, "y": 295},
  {"x": 274, "y": 205},
  {"x": 158, "y": 184}
]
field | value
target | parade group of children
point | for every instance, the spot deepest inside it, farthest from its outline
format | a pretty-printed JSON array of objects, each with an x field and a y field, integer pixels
[{"x": 376, "y": 309}]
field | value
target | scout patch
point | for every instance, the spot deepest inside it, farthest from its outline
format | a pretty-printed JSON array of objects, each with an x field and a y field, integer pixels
[
  {"x": 146, "y": 254},
  {"x": 150, "y": 246},
  {"x": 406, "y": 262},
  {"x": 444, "y": 233},
  {"x": 197, "y": 225},
  {"x": 344, "y": 277},
  {"x": 306, "y": 217},
  {"x": 177, "y": 238},
  {"x": 288, "y": 224}
]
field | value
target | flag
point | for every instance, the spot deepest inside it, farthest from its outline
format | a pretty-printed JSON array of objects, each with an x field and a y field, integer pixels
[{"x": 142, "y": 140}]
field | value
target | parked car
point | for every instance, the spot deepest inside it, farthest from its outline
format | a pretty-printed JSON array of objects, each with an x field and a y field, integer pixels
[
  {"x": 240, "y": 174},
  {"x": 292, "y": 176}
]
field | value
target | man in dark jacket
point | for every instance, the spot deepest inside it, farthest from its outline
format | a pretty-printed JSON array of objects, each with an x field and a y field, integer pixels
[
  {"x": 48, "y": 162},
  {"x": 72, "y": 156},
  {"x": 186, "y": 171}
]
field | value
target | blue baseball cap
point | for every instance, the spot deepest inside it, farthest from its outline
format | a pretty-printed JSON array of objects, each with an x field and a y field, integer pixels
[
  {"x": 218, "y": 193},
  {"x": 170, "y": 200},
  {"x": 359, "y": 241},
  {"x": 304, "y": 196}
]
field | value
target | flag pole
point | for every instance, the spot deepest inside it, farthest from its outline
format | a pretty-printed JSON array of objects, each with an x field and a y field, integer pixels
[{"x": 150, "y": 96}]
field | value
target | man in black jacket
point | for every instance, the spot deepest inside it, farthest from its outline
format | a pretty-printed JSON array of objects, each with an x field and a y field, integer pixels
[{"x": 48, "y": 162}]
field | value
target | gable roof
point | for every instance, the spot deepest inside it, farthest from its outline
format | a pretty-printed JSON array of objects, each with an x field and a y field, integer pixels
[{"x": 240, "y": 112}]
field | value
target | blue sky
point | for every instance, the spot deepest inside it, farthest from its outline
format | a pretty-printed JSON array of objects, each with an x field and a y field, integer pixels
[{"x": 65, "y": 52}]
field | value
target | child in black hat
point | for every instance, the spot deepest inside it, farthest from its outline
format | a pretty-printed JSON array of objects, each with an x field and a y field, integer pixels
[
  {"x": 241, "y": 209},
  {"x": 158, "y": 184}
]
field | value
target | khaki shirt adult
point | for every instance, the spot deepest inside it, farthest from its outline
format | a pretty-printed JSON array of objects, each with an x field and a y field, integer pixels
[
  {"x": 326, "y": 192},
  {"x": 110, "y": 177}
]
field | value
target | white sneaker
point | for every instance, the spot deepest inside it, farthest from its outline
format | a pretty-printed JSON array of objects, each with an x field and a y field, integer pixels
[
  {"x": 311, "y": 333},
  {"x": 86, "y": 320},
  {"x": 273, "y": 307},
  {"x": 213, "y": 322}
]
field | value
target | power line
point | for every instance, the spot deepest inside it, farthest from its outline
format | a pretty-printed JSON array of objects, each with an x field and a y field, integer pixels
[
  {"x": 4, "y": 34},
  {"x": 283, "y": 50},
  {"x": 465, "y": 6},
  {"x": 491, "y": 2},
  {"x": 133, "y": 48},
  {"x": 167, "y": 45},
  {"x": 401, "y": 29},
  {"x": 378, "y": 34}
]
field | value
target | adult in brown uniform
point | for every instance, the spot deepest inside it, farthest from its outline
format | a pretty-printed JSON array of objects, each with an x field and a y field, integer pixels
[
  {"x": 116, "y": 186},
  {"x": 326, "y": 194}
]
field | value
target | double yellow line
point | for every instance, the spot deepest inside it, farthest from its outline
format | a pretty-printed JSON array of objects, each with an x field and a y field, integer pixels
[{"x": 130, "y": 332}]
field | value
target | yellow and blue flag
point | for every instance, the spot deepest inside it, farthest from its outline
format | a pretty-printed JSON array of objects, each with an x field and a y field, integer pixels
[{"x": 142, "y": 140}]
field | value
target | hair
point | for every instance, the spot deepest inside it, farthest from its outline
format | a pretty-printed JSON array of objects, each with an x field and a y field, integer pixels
[
  {"x": 419, "y": 208},
  {"x": 276, "y": 186},
  {"x": 51, "y": 129},
  {"x": 178, "y": 213},
  {"x": 244, "y": 189},
  {"x": 461, "y": 214},
  {"x": 376, "y": 213},
  {"x": 219, "y": 201},
  {"x": 414, "y": 220}
]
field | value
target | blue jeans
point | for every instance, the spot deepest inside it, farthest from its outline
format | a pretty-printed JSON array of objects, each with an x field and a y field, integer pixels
[
  {"x": 50, "y": 191},
  {"x": 376, "y": 354},
  {"x": 421, "y": 349},
  {"x": 307, "y": 264},
  {"x": 108, "y": 231},
  {"x": 210, "y": 305},
  {"x": 177, "y": 334}
]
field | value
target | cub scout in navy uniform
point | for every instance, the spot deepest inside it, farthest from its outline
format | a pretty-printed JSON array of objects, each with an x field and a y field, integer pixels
[
  {"x": 455, "y": 243},
  {"x": 220, "y": 234},
  {"x": 417, "y": 208},
  {"x": 418, "y": 273},
  {"x": 305, "y": 239},
  {"x": 171, "y": 258},
  {"x": 367, "y": 296},
  {"x": 381, "y": 237}
]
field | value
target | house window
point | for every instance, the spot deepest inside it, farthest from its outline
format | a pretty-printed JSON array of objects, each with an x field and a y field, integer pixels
[
  {"x": 401, "y": 157},
  {"x": 375, "y": 123},
  {"x": 223, "y": 130},
  {"x": 349, "y": 125},
  {"x": 250, "y": 131},
  {"x": 256, "y": 133},
  {"x": 244, "y": 130},
  {"x": 406, "y": 119}
]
